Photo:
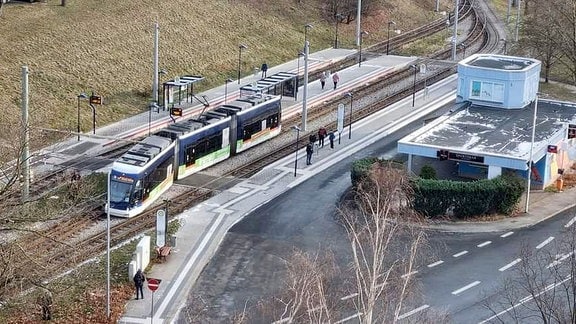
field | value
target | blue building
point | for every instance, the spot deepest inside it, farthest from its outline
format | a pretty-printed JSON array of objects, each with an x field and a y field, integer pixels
[{"x": 489, "y": 131}]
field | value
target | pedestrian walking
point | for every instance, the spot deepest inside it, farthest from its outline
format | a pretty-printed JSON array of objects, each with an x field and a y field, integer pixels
[
  {"x": 139, "y": 283},
  {"x": 331, "y": 138},
  {"x": 312, "y": 138},
  {"x": 264, "y": 69},
  {"x": 309, "y": 152},
  {"x": 323, "y": 77},
  {"x": 321, "y": 136},
  {"x": 335, "y": 79}
]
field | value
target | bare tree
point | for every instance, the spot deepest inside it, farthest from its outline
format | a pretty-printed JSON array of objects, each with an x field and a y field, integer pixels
[{"x": 543, "y": 287}]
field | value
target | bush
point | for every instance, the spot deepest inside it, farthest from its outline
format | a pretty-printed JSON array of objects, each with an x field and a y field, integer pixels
[
  {"x": 360, "y": 168},
  {"x": 428, "y": 172},
  {"x": 436, "y": 197}
]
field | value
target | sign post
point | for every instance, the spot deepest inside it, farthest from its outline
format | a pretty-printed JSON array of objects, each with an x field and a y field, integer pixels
[{"x": 153, "y": 284}]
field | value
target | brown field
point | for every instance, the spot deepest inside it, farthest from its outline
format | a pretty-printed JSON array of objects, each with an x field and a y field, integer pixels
[{"x": 106, "y": 46}]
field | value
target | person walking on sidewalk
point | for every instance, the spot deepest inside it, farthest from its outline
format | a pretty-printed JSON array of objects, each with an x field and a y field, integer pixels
[
  {"x": 323, "y": 77},
  {"x": 139, "y": 283},
  {"x": 309, "y": 152},
  {"x": 321, "y": 136},
  {"x": 335, "y": 79},
  {"x": 264, "y": 70},
  {"x": 331, "y": 138}
]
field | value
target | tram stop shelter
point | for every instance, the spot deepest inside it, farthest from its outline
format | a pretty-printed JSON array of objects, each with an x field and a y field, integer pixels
[
  {"x": 279, "y": 84},
  {"x": 179, "y": 89}
]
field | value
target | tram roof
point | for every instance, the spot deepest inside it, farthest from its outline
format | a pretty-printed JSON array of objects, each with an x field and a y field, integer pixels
[{"x": 146, "y": 150}]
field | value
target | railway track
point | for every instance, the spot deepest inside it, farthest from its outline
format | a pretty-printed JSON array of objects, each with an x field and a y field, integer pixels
[{"x": 56, "y": 257}]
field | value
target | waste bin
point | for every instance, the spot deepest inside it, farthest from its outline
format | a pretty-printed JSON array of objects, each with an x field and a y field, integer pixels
[
  {"x": 560, "y": 184},
  {"x": 172, "y": 241}
]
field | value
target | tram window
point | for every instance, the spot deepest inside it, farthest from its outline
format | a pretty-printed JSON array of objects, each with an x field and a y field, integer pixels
[
  {"x": 202, "y": 148},
  {"x": 250, "y": 129},
  {"x": 272, "y": 121}
]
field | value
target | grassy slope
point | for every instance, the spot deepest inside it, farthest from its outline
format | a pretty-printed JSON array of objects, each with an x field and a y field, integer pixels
[{"x": 106, "y": 46}]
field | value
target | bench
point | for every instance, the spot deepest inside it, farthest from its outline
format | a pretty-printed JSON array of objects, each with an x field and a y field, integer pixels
[{"x": 163, "y": 252}]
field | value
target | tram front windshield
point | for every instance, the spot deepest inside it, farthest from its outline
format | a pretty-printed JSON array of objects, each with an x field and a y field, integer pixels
[{"x": 120, "y": 191}]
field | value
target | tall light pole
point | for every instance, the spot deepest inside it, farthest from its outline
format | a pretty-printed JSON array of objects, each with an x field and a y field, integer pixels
[
  {"x": 226, "y": 89},
  {"x": 358, "y": 17},
  {"x": 108, "y": 308},
  {"x": 337, "y": 17},
  {"x": 80, "y": 97},
  {"x": 530, "y": 162},
  {"x": 517, "y": 20},
  {"x": 306, "y": 27},
  {"x": 360, "y": 48},
  {"x": 351, "y": 96},
  {"x": 388, "y": 40},
  {"x": 25, "y": 136},
  {"x": 297, "y": 129},
  {"x": 155, "y": 75},
  {"x": 240, "y": 48},
  {"x": 455, "y": 36},
  {"x": 151, "y": 106},
  {"x": 414, "y": 87}
]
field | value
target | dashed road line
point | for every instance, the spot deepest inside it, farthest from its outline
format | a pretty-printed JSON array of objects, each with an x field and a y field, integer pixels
[
  {"x": 468, "y": 286},
  {"x": 509, "y": 265},
  {"x": 348, "y": 318},
  {"x": 349, "y": 296},
  {"x": 412, "y": 312},
  {"x": 571, "y": 222},
  {"x": 506, "y": 234},
  {"x": 484, "y": 244},
  {"x": 409, "y": 274},
  {"x": 459, "y": 254},
  {"x": 548, "y": 240},
  {"x": 432, "y": 265}
]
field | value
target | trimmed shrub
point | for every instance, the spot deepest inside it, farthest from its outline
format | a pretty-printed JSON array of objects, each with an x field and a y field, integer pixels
[
  {"x": 428, "y": 172},
  {"x": 435, "y": 198}
]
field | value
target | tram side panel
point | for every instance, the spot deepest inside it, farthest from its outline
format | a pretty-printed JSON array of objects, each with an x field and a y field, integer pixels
[
  {"x": 258, "y": 124},
  {"x": 133, "y": 189},
  {"x": 203, "y": 147}
]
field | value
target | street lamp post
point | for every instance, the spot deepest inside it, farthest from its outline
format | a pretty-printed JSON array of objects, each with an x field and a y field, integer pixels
[
  {"x": 152, "y": 106},
  {"x": 297, "y": 129},
  {"x": 388, "y": 40},
  {"x": 337, "y": 17},
  {"x": 351, "y": 96},
  {"x": 414, "y": 87},
  {"x": 305, "y": 87},
  {"x": 226, "y": 89},
  {"x": 530, "y": 163},
  {"x": 240, "y": 48},
  {"x": 306, "y": 27},
  {"x": 360, "y": 48},
  {"x": 80, "y": 97}
]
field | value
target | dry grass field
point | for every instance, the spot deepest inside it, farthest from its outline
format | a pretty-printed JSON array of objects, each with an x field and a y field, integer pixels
[{"x": 106, "y": 46}]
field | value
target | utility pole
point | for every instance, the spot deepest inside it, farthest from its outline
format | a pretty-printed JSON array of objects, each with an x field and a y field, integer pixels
[
  {"x": 517, "y": 20},
  {"x": 358, "y": 17},
  {"x": 26, "y": 137},
  {"x": 305, "y": 89},
  {"x": 155, "y": 76},
  {"x": 455, "y": 36}
]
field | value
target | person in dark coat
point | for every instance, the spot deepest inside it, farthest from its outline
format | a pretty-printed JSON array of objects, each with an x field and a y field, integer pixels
[
  {"x": 331, "y": 138},
  {"x": 264, "y": 69},
  {"x": 309, "y": 152},
  {"x": 335, "y": 79},
  {"x": 321, "y": 136},
  {"x": 139, "y": 283}
]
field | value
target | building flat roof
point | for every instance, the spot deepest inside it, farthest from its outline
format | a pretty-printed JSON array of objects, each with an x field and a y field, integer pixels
[
  {"x": 499, "y": 62},
  {"x": 484, "y": 130}
]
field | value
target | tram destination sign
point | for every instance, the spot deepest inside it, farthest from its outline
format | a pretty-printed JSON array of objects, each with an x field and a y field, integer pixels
[{"x": 465, "y": 157}]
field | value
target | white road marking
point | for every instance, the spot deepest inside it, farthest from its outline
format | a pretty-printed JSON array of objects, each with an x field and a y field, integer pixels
[
  {"x": 431, "y": 265},
  {"x": 459, "y": 254},
  {"x": 553, "y": 264},
  {"x": 571, "y": 222},
  {"x": 349, "y": 296},
  {"x": 409, "y": 274},
  {"x": 506, "y": 234},
  {"x": 457, "y": 291},
  {"x": 548, "y": 240},
  {"x": 412, "y": 312},
  {"x": 484, "y": 244},
  {"x": 348, "y": 318},
  {"x": 509, "y": 265}
]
